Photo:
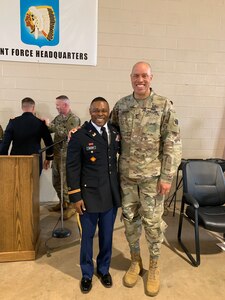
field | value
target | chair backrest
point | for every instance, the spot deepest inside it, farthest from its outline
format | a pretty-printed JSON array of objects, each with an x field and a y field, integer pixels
[{"x": 205, "y": 181}]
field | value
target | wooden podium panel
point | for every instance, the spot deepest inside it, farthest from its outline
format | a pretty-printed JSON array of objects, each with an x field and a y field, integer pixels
[{"x": 19, "y": 207}]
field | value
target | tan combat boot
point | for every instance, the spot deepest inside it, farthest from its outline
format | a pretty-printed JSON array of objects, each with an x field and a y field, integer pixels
[
  {"x": 57, "y": 207},
  {"x": 153, "y": 281},
  {"x": 136, "y": 268},
  {"x": 69, "y": 212}
]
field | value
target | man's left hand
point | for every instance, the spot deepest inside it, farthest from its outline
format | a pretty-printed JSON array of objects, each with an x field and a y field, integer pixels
[{"x": 46, "y": 164}]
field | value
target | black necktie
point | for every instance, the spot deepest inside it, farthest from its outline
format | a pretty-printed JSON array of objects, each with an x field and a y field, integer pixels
[{"x": 104, "y": 134}]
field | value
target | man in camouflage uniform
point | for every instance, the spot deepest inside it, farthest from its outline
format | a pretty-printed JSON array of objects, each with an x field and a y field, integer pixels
[
  {"x": 60, "y": 126},
  {"x": 151, "y": 154}
]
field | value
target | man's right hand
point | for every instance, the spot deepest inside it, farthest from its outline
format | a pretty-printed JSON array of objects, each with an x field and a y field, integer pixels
[{"x": 46, "y": 120}]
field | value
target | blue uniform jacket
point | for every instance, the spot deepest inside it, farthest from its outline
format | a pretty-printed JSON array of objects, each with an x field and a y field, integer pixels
[
  {"x": 92, "y": 169},
  {"x": 25, "y": 132}
]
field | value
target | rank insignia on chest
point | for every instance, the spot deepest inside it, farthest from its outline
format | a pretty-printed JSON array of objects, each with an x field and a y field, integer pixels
[{"x": 93, "y": 159}]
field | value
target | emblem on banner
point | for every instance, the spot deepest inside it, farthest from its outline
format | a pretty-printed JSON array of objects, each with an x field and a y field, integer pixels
[{"x": 40, "y": 22}]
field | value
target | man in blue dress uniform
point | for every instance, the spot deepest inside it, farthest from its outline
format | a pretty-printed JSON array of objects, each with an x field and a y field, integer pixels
[
  {"x": 25, "y": 133},
  {"x": 93, "y": 185}
]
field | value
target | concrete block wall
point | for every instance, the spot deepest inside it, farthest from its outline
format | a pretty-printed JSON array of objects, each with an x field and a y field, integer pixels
[{"x": 183, "y": 40}]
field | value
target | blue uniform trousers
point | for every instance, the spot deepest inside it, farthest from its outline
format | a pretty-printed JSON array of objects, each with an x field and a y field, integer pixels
[{"x": 89, "y": 222}]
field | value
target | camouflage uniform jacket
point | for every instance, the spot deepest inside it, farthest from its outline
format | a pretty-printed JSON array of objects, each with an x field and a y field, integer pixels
[
  {"x": 150, "y": 137},
  {"x": 61, "y": 126}
]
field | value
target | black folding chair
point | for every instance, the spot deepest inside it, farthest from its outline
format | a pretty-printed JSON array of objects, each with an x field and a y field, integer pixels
[{"x": 203, "y": 201}]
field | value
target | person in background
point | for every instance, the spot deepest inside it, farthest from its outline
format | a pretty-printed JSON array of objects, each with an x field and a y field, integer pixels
[
  {"x": 60, "y": 126},
  {"x": 150, "y": 156},
  {"x": 25, "y": 132},
  {"x": 1, "y": 133},
  {"x": 94, "y": 189}
]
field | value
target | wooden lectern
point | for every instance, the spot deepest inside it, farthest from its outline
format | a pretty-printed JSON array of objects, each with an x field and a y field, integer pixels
[{"x": 19, "y": 207}]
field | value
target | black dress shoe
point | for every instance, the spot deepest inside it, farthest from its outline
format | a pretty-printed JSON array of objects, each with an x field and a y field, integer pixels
[
  {"x": 85, "y": 285},
  {"x": 106, "y": 279}
]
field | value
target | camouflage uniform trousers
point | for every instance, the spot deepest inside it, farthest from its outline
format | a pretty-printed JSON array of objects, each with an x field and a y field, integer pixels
[
  {"x": 56, "y": 178},
  {"x": 142, "y": 205}
]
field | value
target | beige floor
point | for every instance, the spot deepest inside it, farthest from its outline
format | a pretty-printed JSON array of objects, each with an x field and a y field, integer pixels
[{"x": 55, "y": 274}]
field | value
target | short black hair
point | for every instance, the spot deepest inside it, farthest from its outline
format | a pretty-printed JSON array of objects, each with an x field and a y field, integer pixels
[{"x": 98, "y": 99}]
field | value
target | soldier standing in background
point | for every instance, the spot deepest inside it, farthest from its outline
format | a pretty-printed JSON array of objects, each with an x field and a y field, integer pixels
[
  {"x": 60, "y": 126},
  {"x": 150, "y": 156}
]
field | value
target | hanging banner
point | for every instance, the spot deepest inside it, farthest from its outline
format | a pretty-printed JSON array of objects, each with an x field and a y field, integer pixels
[{"x": 49, "y": 31}]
